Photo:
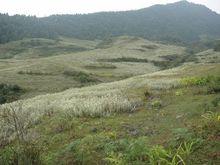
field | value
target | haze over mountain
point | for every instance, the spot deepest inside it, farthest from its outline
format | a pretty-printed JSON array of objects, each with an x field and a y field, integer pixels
[{"x": 177, "y": 22}]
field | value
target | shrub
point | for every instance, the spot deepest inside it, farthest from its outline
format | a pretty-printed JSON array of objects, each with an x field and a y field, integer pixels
[
  {"x": 217, "y": 46},
  {"x": 84, "y": 151},
  {"x": 138, "y": 152},
  {"x": 191, "y": 81},
  {"x": 82, "y": 77},
  {"x": 3, "y": 100},
  {"x": 216, "y": 102},
  {"x": 9, "y": 92},
  {"x": 213, "y": 85},
  {"x": 19, "y": 149},
  {"x": 125, "y": 59},
  {"x": 171, "y": 61},
  {"x": 26, "y": 153},
  {"x": 34, "y": 73},
  {"x": 147, "y": 94},
  {"x": 156, "y": 104}
]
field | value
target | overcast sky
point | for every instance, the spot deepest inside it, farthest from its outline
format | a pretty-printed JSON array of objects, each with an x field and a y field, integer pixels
[{"x": 42, "y": 8}]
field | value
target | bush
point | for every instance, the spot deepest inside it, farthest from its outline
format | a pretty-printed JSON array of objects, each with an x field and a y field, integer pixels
[
  {"x": 80, "y": 76},
  {"x": 171, "y": 61},
  {"x": 3, "y": 100},
  {"x": 27, "y": 154},
  {"x": 216, "y": 102},
  {"x": 9, "y": 93},
  {"x": 18, "y": 149},
  {"x": 194, "y": 81},
  {"x": 214, "y": 88},
  {"x": 217, "y": 46},
  {"x": 125, "y": 59},
  {"x": 156, "y": 104},
  {"x": 34, "y": 73}
]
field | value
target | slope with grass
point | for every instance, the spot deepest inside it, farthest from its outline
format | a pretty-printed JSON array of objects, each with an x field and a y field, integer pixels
[
  {"x": 131, "y": 101},
  {"x": 168, "y": 116},
  {"x": 40, "y": 47},
  {"x": 108, "y": 61}
]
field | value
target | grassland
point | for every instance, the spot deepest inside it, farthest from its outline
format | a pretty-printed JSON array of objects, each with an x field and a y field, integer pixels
[
  {"x": 47, "y": 72},
  {"x": 152, "y": 117}
]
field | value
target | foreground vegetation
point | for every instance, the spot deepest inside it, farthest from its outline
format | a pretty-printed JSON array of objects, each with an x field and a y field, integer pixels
[
  {"x": 167, "y": 117},
  {"x": 123, "y": 100}
]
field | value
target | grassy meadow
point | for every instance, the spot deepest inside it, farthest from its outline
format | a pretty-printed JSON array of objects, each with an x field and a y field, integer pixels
[
  {"x": 121, "y": 101},
  {"x": 46, "y": 74}
]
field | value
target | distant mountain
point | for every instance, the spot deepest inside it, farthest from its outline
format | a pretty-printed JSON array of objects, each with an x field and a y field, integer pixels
[{"x": 177, "y": 22}]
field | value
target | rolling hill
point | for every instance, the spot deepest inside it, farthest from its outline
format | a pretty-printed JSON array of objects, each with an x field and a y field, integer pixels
[
  {"x": 167, "y": 112},
  {"x": 177, "y": 22},
  {"x": 114, "y": 59},
  {"x": 110, "y": 88}
]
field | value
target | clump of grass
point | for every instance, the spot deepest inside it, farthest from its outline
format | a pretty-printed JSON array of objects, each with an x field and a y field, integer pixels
[
  {"x": 100, "y": 66},
  {"x": 156, "y": 104},
  {"x": 179, "y": 92},
  {"x": 149, "y": 46},
  {"x": 35, "y": 73},
  {"x": 211, "y": 82},
  {"x": 216, "y": 102},
  {"x": 171, "y": 61},
  {"x": 124, "y": 151},
  {"x": 80, "y": 76},
  {"x": 26, "y": 153},
  {"x": 191, "y": 81},
  {"x": 125, "y": 59},
  {"x": 211, "y": 116},
  {"x": 217, "y": 46},
  {"x": 214, "y": 86}
]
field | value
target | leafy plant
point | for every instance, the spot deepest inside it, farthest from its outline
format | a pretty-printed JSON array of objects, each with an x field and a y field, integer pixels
[
  {"x": 156, "y": 104},
  {"x": 211, "y": 116}
]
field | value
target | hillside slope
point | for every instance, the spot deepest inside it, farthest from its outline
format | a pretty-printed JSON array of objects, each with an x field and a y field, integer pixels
[
  {"x": 110, "y": 60},
  {"x": 144, "y": 120},
  {"x": 177, "y": 22}
]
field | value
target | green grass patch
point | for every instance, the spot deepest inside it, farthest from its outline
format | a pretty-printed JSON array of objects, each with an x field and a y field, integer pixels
[
  {"x": 212, "y": 83},
  {"x": 80, "y": 76}
]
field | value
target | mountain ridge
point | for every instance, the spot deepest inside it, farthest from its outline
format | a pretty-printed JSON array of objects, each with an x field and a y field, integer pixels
[{"x": 182, "y": 21}]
